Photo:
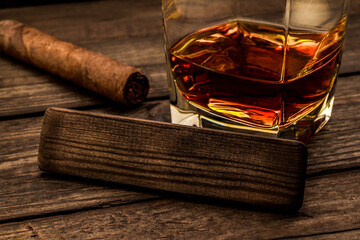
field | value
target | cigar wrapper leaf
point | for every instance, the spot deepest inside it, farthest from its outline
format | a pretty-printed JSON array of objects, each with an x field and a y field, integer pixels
[{"x": 118, "y": 81}]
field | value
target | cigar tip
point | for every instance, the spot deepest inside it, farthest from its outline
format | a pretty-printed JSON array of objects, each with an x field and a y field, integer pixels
[{"x": 136, "y": 88}]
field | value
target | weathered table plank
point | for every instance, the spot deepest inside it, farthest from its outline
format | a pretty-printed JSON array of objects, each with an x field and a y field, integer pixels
[
  {"x": 35, "y": 93},
  {"x": 93, "y": 20},
  {"x": 337, "y": 145},
  {"x": 347, "y": 234},
  {"x": 352, "y": 50},
  {"x": 332, "y": 204}
]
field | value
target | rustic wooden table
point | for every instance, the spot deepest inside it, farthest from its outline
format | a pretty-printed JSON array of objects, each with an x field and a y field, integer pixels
[{"x": 35, "y": 204}]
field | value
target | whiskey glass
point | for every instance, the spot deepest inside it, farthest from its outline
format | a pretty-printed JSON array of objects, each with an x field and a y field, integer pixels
[{"x": 254, "y": 66}]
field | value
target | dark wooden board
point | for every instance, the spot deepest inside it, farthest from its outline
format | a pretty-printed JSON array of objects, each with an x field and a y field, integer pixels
[
  {"x": 332, "y": 205},
  {"x": 337, "y": 145},
  {"x": 265, "y": 172},
  {"x": 351, "y": 49},
  {"x": 347, "y": 234}
]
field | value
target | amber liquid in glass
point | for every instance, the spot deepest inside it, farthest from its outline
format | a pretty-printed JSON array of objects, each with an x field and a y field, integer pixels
[{"x": 255, "y": 73}]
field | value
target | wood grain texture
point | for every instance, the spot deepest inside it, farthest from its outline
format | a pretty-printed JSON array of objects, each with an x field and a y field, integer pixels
[
  {"x": 352, "y": 49},
  {"x": 337, "y": 145},
  {"x": 39, "y": 90},
  {"x": 345, "y": 234},
  {"x": 331, "y": 206},
  {"x": 27, "y": 192},
  {"x": 258, "y": 171}
]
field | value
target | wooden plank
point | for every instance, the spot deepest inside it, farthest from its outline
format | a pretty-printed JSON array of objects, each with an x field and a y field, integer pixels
[
  {"x": 36, "y": 93},
  {"x": 265, "y": 172},
  {"x": 92, "y": 20},
  {"x": 332, "y": 205},
  {"x": 346, "y": 234},
  {"x": 352, "y": 50},
  {"x": 26, "y": 191},
  {"x": 337, "y": 145}
]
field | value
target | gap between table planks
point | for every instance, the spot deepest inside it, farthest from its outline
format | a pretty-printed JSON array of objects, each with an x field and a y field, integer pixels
[{"x": 331, "y": 206}]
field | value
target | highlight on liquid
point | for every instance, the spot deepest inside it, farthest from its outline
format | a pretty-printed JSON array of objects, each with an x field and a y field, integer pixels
[{"x": 256, "y": 73}]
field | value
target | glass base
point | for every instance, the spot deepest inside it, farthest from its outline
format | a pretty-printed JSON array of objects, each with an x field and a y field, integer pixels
[{"x": 302, "y": 130}]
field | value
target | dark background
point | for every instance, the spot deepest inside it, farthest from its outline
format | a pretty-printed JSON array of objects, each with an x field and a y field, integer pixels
[{"x": 20, "y": 3}]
